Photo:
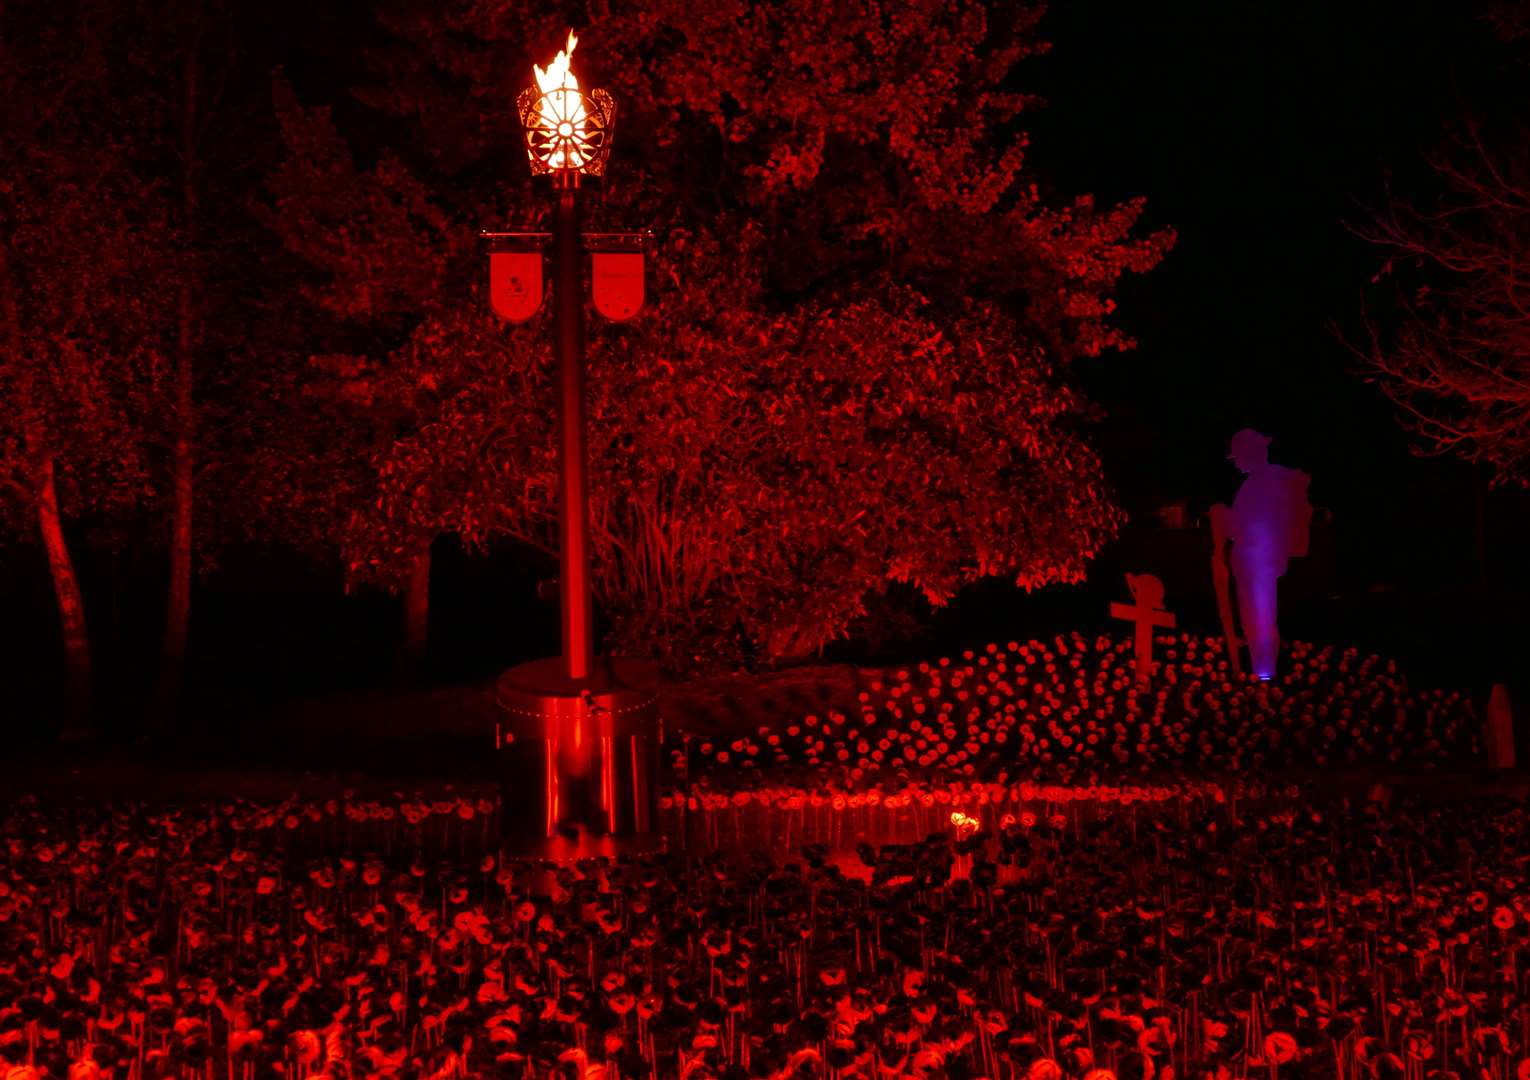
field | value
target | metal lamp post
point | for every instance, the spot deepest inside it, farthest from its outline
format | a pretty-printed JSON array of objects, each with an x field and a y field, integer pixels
[
  {"x": 568, "y": 135},
  {"x": 579, "y": 737}
]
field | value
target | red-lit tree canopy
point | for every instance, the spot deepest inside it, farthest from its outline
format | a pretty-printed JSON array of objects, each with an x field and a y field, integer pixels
[
  {"x": 1456, "y": 366},
  {"x": 86, "y": 265},
  {"x": 767, "y": 470},
  {"x": 1454, "y": 363},
  {"x": 853, "y": 371}
]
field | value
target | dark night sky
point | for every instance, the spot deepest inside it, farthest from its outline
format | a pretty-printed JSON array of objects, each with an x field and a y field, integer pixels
[{"x": 1258, "y": 130}]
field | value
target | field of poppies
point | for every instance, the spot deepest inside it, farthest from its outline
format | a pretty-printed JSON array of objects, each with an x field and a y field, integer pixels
[
  {"x": 1200, "y": 933},
  {"x": 985, "y": 912}
]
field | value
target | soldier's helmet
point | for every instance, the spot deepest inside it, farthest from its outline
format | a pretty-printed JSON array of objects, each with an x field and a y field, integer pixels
[{"x": 1249, "y": 445}]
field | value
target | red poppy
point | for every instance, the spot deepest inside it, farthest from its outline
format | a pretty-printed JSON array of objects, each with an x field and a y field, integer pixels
[
  {"x": 1044, "y": 1068},
  {"x": 1280, "y": 1047}
]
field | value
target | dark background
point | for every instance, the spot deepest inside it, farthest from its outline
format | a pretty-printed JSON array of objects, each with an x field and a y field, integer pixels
[
  {"x": 1261, "y": 131},
  {"x": 1265, "y": 132}
]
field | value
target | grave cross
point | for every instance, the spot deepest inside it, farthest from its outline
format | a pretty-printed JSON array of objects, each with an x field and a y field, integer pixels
[{"x": 1147, "y": 612}]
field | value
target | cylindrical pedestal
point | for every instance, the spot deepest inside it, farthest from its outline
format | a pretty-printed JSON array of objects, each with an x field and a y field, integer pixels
[{"x": 579, "y": 755}]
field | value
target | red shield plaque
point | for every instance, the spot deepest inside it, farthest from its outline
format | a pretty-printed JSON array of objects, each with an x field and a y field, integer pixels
[
  {"x": 515, "y": 284},
  {"x": 616, "y": 279}
]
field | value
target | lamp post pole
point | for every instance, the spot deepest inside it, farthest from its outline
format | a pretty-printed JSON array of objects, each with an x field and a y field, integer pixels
[
  {"x": 580, "y": 743},
  {"x": 574, "y": 508}
]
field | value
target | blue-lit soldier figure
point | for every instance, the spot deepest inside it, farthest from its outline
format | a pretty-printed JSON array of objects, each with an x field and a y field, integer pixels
[{"x": 1267, "y": 525}]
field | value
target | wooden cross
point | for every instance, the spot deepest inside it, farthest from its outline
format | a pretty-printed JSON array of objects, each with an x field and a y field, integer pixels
[{"x": 1146, "y": 613}]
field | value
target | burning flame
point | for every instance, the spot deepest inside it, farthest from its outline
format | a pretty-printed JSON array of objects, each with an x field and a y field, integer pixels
[{"x": 562, "y": 110}]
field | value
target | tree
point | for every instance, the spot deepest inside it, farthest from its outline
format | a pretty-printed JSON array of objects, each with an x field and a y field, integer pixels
[
  {"x": 449, "y": 412},
  {"x": 186, "y": 129},
  {"x": 1457, "y": 364},
  {"x": 378, "y": 249},
  {"x": 854, "y": 369},
  {"x": 1456, "y": 359},
  {"x": 83, "y": 242},
  {"x": 759, "y": 474}
]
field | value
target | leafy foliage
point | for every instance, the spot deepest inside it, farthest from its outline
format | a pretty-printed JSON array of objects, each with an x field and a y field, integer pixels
[
  {"x": 1458, "y": 364},
  {"x": 853, "y": 369},
  {"x": 792, "y": 462},
  {"x": 86, "y": 260}
]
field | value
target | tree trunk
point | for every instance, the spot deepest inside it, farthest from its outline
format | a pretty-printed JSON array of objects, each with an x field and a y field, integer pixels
[
  {"x": 416, "y": 614},
  {"x": 172, "y": 655},
  {"x": 71, "y": 605},
  {"x": 66, "y": 585}
]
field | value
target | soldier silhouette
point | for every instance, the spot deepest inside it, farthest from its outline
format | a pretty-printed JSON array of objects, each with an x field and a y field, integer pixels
[{"x": 1267, "y": 525}]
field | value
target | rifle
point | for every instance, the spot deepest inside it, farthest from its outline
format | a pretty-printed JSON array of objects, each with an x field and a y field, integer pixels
[{"x": 1220, "y": 577}]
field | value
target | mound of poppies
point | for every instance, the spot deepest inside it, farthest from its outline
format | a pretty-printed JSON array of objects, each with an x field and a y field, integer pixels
[{"x": 1073, "y": 707}]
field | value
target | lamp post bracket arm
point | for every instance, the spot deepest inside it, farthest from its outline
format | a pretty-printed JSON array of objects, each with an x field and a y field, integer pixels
[
  {"x": 618, "y": 241},
  {"x": 514, "y": 241}
]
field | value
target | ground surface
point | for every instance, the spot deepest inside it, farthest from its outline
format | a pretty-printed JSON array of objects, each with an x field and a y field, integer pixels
[
  {"x": 1239, "y": 929},
  {"x": 326, "y": 894}
]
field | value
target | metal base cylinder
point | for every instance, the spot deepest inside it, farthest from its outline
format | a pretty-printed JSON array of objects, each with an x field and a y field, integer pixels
[{"x": 578, "y": 756}]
